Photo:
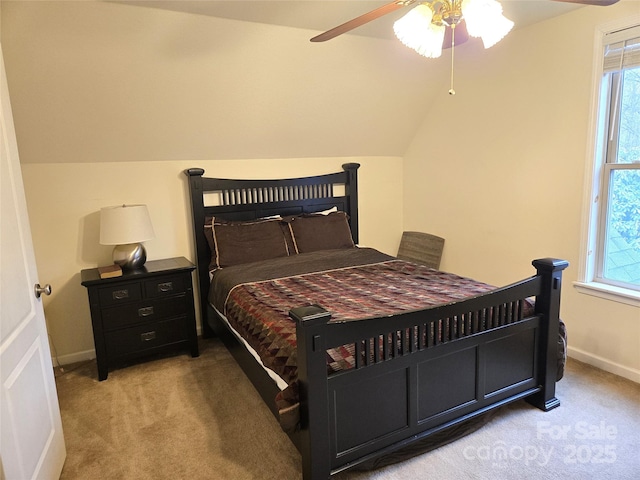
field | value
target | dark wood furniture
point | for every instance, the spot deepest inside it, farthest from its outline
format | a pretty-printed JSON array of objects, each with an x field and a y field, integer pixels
[
  {"x": 143, "y": 312},
  {"x": 413, "y": 387}
]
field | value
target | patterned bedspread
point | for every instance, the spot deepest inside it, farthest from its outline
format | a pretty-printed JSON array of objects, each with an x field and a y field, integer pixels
[{"x": 351, "y": 284}]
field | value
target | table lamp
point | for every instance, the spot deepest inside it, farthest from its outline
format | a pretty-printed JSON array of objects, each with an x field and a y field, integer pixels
[{"x": 126, "y": 226}]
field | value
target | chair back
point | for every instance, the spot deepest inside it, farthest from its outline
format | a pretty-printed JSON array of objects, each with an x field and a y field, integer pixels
[{"x": 421, "y": 248}]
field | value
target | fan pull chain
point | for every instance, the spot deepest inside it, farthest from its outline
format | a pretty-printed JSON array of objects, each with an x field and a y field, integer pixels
[{"x": 453, "y": 47}]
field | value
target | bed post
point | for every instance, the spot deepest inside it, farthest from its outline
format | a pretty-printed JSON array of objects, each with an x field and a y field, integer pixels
[
  {"x": 314, "y": 404},
  {"x": 199, "y": 242},
  {"x": 548, "y": 305},
  {"x": 351, "y": 191}
]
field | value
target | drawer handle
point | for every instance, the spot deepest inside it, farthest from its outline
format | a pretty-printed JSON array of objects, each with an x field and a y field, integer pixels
[
  {"x": 120, "y": 294},
  {"x": 165, "y": 287},
  {"x": 147, "y": 336},
  {"x": 145, "y": 311}
]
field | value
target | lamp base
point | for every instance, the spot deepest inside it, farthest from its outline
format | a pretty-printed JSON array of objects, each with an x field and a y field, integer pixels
[{"x": 130, "y": 256}]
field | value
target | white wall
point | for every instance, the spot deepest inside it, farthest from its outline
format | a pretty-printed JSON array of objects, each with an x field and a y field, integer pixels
[
  {"x": 64, "y": 200},
  {"x": 505, "y": 184}
]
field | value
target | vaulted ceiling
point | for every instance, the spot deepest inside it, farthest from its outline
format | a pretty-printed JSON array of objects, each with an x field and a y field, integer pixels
[
  {"x": 322, "y": 15},
  {"x": 153, "y": 80}
]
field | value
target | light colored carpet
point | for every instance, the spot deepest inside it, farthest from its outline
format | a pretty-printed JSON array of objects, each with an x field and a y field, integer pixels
[{"x": 199, "y": 418}]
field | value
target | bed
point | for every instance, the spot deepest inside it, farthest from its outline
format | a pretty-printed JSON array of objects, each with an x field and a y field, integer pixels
[{"x": 349, "y": 385}]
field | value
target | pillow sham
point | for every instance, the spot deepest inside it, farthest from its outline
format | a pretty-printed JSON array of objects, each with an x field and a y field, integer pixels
[
  {"x": 326, "y": 212},
  {"x": 235, "y": 243},
  {"x": 313, "y": 232}
]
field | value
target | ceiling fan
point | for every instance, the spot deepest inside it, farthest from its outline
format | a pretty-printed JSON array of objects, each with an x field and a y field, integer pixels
[
  {"x": 398, "y": 4},
  {"x": 436, "y": 24}
]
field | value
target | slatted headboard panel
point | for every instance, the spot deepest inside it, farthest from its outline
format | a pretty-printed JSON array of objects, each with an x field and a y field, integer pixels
[
  {"x": 251, "y": 199},
  {"x": 238, "y": 196}
]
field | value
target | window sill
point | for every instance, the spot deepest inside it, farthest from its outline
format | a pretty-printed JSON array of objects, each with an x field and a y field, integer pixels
[{"x": 609, "y": 292}]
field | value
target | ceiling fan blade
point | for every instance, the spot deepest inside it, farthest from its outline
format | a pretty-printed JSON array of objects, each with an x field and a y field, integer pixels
[
  {"x": 361, "y": 20},
  {"x": 397, "y": 4},
  {"x": 602, "y": 3}
]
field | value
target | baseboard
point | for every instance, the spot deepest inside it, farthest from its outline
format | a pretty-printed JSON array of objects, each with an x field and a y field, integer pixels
[
  {"x": 580, "y": 355},
  {"x": 604, "y": 364},
  {"x": 74, "y": 357}
]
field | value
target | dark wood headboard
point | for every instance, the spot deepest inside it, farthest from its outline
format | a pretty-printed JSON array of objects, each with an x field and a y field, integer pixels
[{"x": 251, "y": 199}]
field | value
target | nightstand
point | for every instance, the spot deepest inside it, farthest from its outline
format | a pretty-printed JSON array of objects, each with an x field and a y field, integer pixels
[{"x": 142, "y": 312}]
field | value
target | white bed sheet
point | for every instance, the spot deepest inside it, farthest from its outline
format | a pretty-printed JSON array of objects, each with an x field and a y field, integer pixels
[{"x": 274, "y": 376}]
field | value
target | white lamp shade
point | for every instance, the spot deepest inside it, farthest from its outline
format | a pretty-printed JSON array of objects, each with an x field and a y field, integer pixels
[
  {"x": 502, "y": 26},
  {"x": 416, "y": 31},
  {"x": 124, "y": 224},
  {"x": 485, "y": 20}
]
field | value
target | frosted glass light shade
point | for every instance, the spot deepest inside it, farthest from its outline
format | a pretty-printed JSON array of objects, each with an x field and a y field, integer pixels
[
  {"x": 124, "y": 224},
  {"x": 416, "y": 31},
  {"x": 485, "y": 20}
]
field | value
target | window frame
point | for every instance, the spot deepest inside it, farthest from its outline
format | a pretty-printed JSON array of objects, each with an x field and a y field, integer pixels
[{"x": 597, "y": 180}]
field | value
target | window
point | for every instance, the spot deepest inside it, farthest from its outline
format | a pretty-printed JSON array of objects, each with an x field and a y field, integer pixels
[{"x": 613, "y": 259}]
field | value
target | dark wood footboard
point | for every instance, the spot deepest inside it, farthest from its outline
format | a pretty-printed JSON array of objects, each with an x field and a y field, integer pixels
[{"x": 420, "y": 372}]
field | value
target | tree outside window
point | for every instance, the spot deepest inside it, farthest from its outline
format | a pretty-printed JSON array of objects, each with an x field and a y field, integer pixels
[{"x": 618, "y": 259}]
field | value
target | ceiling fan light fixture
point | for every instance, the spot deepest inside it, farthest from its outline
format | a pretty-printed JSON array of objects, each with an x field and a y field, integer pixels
[
  {"x": 484, "y": 19},
  {"x": 417, "y": 30},
  {"x": 423, "y": 28}
]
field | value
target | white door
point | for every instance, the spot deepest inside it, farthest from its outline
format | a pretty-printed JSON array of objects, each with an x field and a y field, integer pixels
[{"x": 31, "y": 441}]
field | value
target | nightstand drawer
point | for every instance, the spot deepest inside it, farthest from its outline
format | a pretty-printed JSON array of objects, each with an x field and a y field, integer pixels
[
  {"x": 145, "y": 311},
  {"x": 141, "y": 338},
  {"x": 117, "y": 294},
  {"x": 164, "y": 286}
]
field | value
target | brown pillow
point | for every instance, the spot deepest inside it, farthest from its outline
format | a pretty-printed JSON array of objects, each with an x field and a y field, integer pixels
[
  {"x": 321, "y": 232},
  {"x": 235, "y": 243}
]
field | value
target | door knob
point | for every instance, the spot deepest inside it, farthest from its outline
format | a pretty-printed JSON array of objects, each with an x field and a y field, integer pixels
[{"x": 40, "y": 290}]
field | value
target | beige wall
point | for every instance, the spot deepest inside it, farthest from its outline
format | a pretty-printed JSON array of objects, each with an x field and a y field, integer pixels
[
  {"x": 95, "y": 81},
  {"x": 506, "y": 186},
  {"x": 112, "y": 102},
  {"x": 64, "y": 200}
]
